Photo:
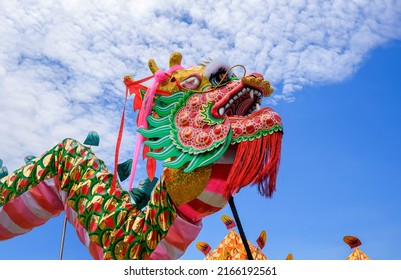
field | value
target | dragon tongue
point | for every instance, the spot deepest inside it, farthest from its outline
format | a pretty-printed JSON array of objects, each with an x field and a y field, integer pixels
[{"x": 243, "y": 107}]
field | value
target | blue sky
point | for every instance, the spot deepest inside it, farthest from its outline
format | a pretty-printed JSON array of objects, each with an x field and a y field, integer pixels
[
  {"x": 340, "y": 170},
  {"x": 336, "y": 73}
]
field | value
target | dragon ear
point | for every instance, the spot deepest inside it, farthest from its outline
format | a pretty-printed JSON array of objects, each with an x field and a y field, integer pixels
[{"x": 175, "y": 59}]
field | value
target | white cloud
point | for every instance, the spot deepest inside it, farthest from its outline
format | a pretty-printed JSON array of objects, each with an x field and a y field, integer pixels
[{"x": 62, "y": 63}]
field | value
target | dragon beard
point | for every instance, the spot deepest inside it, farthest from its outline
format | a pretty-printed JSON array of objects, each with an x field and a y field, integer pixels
[{"x": 256, "y": 162}]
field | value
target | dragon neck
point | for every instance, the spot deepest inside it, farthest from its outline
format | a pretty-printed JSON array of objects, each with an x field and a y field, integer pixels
[{"x": 203, "y": 193}]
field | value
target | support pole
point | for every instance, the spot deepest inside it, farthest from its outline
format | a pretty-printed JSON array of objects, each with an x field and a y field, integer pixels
[
  {"x": 60, "y": 257},
  {"x": 240, "y": 229}
]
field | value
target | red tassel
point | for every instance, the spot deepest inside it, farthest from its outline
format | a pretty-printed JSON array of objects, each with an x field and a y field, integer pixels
[
  {"x": 137, "y": 102},
  {"x": 145, "y": 150},
  {"x": 256, "y": 162},
  {"x": 151, "y": 168}
]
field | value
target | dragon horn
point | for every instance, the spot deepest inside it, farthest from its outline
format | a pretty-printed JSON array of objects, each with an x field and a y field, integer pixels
[
  {"x": 153, "y": 66},
  {"x": 175, "y": 59}
]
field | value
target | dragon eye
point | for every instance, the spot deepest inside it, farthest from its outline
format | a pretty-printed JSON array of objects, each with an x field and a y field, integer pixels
[
  {"x": 191, "y": 82},
  {"x": 218, "y": 72},
  {"x": 220, "y": 77}
]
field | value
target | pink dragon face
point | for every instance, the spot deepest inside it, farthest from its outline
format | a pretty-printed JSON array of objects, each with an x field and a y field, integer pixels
[{"x": 208, "y": 117}]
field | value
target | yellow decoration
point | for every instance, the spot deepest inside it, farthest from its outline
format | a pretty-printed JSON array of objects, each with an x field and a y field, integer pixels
[
  {"x": 232, "y": 248},
  {"x": 356, "y": 255},
  {"x": 177, "y": 180}
]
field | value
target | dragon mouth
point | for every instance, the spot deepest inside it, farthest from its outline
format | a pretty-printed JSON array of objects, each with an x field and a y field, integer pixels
[{"x": 243, "y": 103}]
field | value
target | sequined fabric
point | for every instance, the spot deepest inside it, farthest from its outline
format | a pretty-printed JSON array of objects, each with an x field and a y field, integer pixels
[{"x": 111, "y": 220}]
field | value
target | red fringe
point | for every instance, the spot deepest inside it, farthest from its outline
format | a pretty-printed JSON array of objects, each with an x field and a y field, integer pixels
[{"x": 256, "y": 162}]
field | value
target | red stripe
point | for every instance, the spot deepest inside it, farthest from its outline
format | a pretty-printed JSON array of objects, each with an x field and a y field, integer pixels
[
  {"x": 118, "y": 144},
  {"x": 5, "y": 233},
  {"x": 201, "y": 208},
  {"x": 47, "y": 199},
  {"x": 95, "y": 250},
  {"x": 21, "y": 215}
]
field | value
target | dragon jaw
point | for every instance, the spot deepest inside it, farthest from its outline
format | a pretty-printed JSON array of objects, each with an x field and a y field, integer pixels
[{"x": 255, "y": 147}]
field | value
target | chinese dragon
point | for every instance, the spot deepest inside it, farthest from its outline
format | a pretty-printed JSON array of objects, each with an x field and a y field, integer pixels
[{"x": 207, "y": 127}]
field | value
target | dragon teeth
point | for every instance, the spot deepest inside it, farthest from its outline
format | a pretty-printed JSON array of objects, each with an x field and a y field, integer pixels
[{"x": 252, "y": 93}]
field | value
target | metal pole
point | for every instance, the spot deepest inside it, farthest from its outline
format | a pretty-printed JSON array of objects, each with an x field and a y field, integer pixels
[
  {"x": 60, "y": 257},
  {"x": 240, "y": 229}
]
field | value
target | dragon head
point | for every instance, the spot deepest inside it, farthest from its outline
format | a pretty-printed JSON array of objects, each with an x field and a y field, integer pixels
[{"x": 205, "y": 114}]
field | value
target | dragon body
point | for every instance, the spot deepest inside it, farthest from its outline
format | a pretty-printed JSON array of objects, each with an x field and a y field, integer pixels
[{"x": 207, "y": 127}]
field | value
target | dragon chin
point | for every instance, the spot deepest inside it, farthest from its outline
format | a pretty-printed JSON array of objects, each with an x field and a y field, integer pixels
[
  {"x": 256, "y": 162},
  {"x": 254, "y": 155}
]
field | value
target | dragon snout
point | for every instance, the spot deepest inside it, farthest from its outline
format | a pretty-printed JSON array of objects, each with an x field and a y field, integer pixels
[{"x": 256, "y": 80}]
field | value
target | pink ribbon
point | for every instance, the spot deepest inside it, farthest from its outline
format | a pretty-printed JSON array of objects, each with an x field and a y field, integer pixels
[{"x": 146, "y": 108}]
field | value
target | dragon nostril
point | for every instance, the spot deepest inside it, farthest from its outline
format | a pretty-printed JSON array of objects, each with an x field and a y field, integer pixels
[
  {"x": 256, "y": 80},
  {"x": 256, "y": 75},
  {"x": 252, "y": 81}
]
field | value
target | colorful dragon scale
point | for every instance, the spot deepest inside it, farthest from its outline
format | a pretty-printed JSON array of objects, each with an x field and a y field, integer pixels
[
  {"x": 205, "y": 124},
  {"x": 109, "y": 219}
]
